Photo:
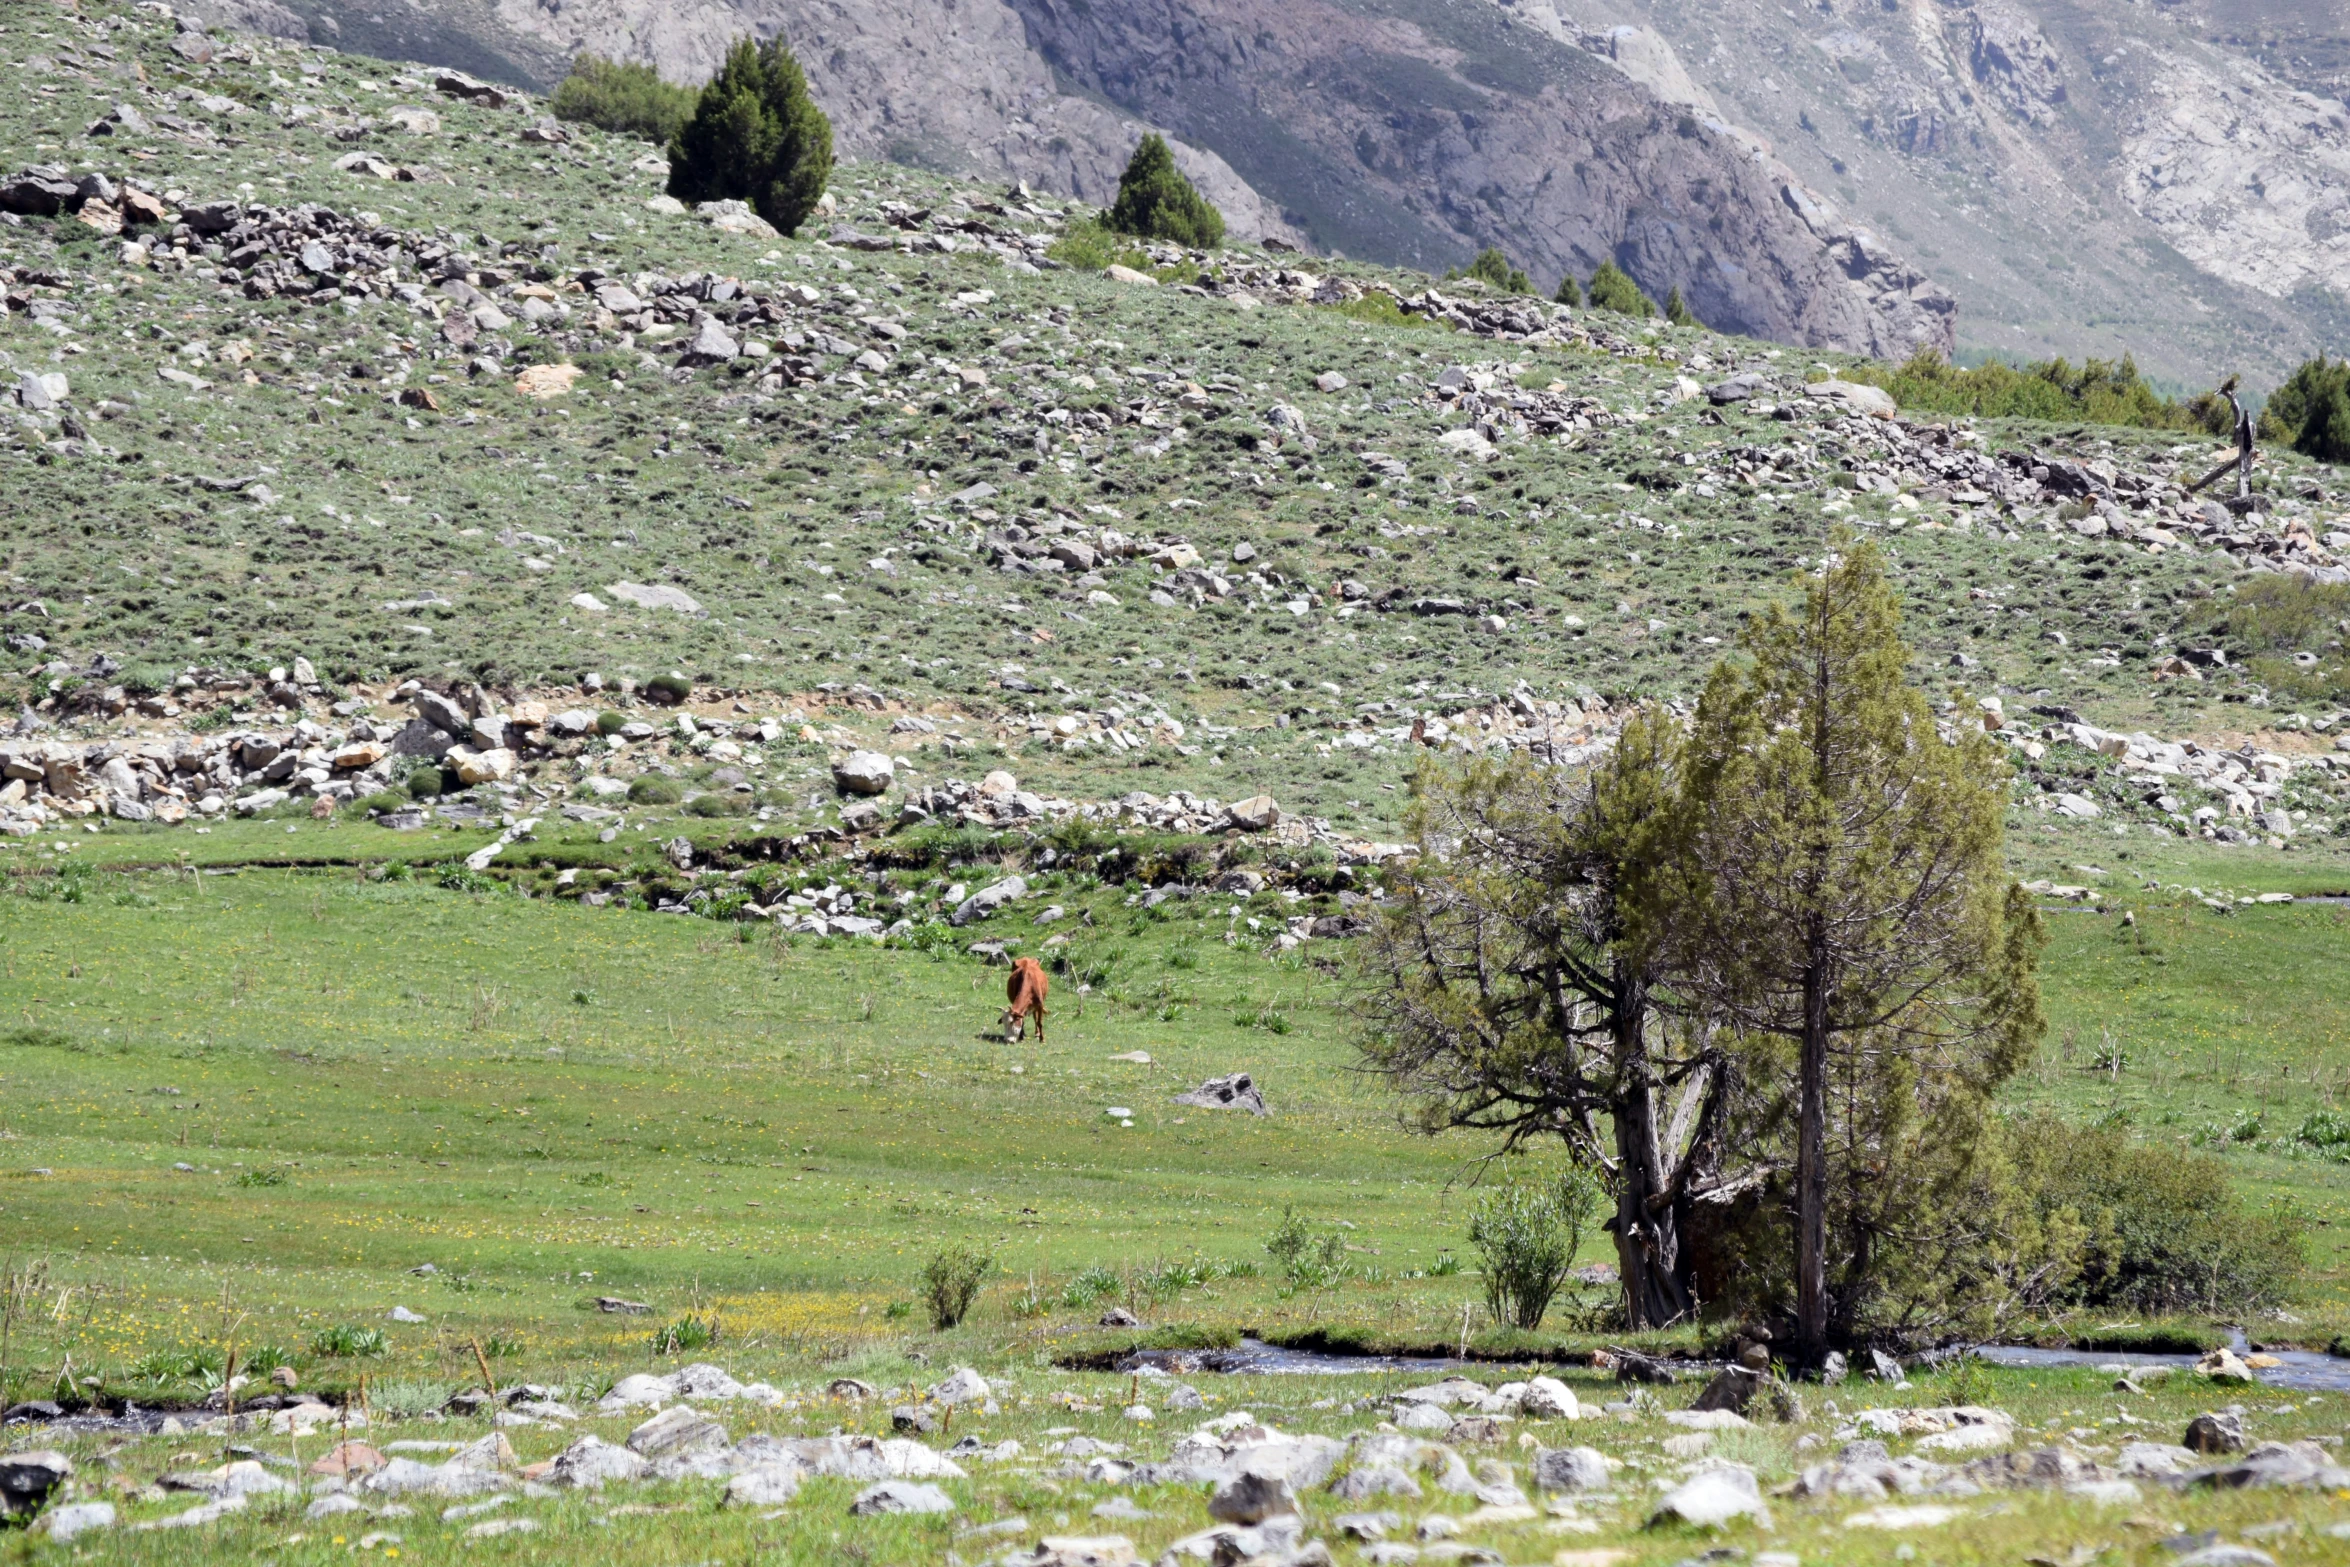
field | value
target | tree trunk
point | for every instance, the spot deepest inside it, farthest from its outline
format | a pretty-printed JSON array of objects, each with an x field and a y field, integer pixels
[
  {"x": 1811, "y": 1172},
  {"x": 1647, "y": 1222}
]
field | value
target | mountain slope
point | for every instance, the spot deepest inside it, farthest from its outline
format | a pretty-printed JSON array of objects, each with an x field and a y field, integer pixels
[
  {"x": 1404, "y": 133},
  {"x": 315, "y": 361}
]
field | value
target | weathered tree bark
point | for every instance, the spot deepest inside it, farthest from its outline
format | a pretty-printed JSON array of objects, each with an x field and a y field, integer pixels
[
  {"x": 1647, "y": 1223},
  {"x": 1811, "y": 1165}
]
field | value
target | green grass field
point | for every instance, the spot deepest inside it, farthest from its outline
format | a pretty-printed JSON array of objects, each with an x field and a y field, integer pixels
[{"x": 550, "y": 1103}]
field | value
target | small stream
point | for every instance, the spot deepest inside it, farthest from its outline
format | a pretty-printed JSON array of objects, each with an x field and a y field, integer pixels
[{"x": 2301, "y": 1370}]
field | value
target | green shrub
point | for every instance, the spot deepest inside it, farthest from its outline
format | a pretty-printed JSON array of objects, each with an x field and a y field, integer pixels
[
  {"x": 1526, "y": 1234},
  {"x": 1155, "y": 201},
  {"x": 424, "y": 783},
  {"x": 406, "y": 1400},
  {"x": 1088, "y": 1287},
  {"x": 2326, "y": 1132},
  {"x": 624, "y": 98},
  {"x": 1493, "y": 268},
  {"x": 384, "y": 802},
  {"x": 669, "y": 690},
  {"x": 1570, "y": 292},
  {"x": 950, "y": 1283},
  {"x": 180, "y": 1365},
  {"x": 2164, "y": 1229},
  {"x": 346, "y": 1342},
  {"x": 1309, "y": 1259},
  {"x": 2096, "y": 390},
  {"x": 719, "y": 802},
  {"x": 146, "y": 679},
  {"x": 2276, "y": 613},
  {"x": 1090, "y": 245},
  {"x": 1677, "y": 309},
  {"x": 686, "y": 1334},
  {"x": 268, "y": 1175},
  {"x": 610, "y": 723},
  {"x": 653, "y": 789},
  {"x": 1612, "y": 289},
  {"x": 2311, "y": 411},
  {"x": 755, "y": 135}
]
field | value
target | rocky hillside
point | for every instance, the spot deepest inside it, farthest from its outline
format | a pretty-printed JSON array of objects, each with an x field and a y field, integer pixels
[
  {"x": 331, "y": 385},
  {"x": 1413, "y": 134},
  {"x": 2080, "y": 176}
]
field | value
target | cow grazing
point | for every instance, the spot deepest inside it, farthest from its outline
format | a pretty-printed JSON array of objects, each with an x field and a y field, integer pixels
[{"x": 1025, "y": 990}]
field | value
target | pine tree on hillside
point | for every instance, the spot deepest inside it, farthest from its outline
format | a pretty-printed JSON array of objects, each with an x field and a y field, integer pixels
[
  {"x": 1570, "y": 292},
  {"x": 1612, "y": 289},
  {"x": 756, "y": 136},
  {"x": 1493, "y": 269},
  {"x": 1155, "y": 201},
  {"x": 1677, "y": 309}
]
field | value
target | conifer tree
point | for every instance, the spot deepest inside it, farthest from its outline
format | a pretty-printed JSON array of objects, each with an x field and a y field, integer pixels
[
  {"x": 757, "y": 136},
  {"x": 1847, "y": 895},
  {"x": 1155, "y": 201},
  {"x": 1612, "y": 289}
]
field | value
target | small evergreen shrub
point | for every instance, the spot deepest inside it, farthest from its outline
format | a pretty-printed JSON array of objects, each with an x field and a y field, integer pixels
[
  {"x": 1155, "y": 201},
  {"x": 624, "y": 98},
  {"x": 1570, "y": 292},
  {"x": 1612, "y": 289},
  {"x": 719, "y": 802},
  {"x": 668, "y": 689},
  {"x": 757, "y": 136},
  {"x": 424, "y": 784},
  {"x": 950, "y": 1283},
  {"x": 1493, "y": 269},
  {"x": 653, "y": 789},
  {"x": 2311, "y": 411},
  {"x": 2097, "y": 390},
  {"x": 610, "y": 723},
  {"x": 1677, "y": 309}
]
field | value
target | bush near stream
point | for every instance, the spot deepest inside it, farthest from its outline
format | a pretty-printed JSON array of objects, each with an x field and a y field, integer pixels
[{"x": 2165, "y": 1229}]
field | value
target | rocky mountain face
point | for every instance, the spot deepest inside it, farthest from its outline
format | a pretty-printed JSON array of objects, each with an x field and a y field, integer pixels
[
  {"x": 1411, "y": 131},
  {"x": 2170, "y": 179}
]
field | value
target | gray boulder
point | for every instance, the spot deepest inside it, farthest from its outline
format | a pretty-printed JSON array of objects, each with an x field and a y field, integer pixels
[
  {"x": 591, "y": 1463},
  {"x": 1251, "y": 1499},
  {"x": 27, "y": 1478},
  {"x": 677, "y": 1430},
  {"x": 863, "y": 772},
  {"x": 62, "y": 1524},
  {"x": 1573, "y": 1470},
  {"x": 900, "y": 1496},
  {"x": 769, "y": 1485},
  {"x": 2216, "y": 1433},
  {"x": 1236, "y": 1092}
]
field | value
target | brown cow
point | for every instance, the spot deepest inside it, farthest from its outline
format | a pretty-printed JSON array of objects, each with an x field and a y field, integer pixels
[{"x": 1026, "y": 990}]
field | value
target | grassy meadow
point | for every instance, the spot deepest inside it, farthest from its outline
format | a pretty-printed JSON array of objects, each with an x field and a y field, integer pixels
[{"x": 551, "y": 1103}]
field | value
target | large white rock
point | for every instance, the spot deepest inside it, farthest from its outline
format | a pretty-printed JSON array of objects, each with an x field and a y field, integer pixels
[
  {"x": 901, "y": 1496},
  {"x": 1713, "y": 1497},
  {"x": 591, "y": 1463},
  {"x": 659, "y": 595},
  {"x": 961, "y": 1386},
  {"x": 863, "y": 772}
]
